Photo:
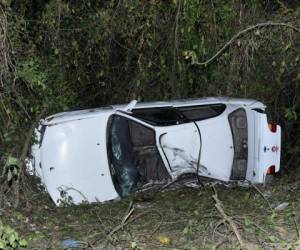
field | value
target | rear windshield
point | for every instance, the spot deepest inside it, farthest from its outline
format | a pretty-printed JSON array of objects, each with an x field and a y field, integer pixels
[
  {"x": 197, "y": 113},
  {"x": 166, "y": 116}
]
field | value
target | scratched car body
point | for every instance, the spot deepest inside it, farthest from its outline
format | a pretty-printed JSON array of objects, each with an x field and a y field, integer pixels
[{"x": 106, "y": 153}]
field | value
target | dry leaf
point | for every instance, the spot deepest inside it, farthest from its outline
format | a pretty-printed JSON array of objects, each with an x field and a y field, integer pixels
[{"x": 164, "y": 240}]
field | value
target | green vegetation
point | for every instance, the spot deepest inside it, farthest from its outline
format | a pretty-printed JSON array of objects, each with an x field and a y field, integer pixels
[
  {"x": 66, "y": 54},
  {"x": 185, "y": 218},
  {"x": 9, "y": 238}
]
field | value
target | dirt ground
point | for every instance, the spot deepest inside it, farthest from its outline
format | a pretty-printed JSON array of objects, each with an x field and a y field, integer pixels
[{"x": 185, "y": 218}]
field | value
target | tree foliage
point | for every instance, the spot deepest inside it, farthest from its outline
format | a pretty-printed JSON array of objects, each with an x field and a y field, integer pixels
[{"x": 67, "y": 54}]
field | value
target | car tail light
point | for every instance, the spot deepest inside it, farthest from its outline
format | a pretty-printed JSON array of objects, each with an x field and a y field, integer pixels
[
  {"x": 273, "y": 127},
  {"x": 271, "y": 170}
]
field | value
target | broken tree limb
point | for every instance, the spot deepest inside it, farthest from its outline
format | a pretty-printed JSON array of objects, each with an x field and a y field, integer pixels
[
  {"x": 127, "y": 219},
  {"x": 23, "y": 156},
  {"x": 227, "y": 218},
  {"x": 130, "y": 211},
  {"x": 109, "y": 234},
  {"x": 242, "y": 32}
]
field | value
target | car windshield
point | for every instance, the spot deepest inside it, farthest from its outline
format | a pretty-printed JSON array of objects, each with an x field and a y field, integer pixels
[{"x": 133, "y": 156}]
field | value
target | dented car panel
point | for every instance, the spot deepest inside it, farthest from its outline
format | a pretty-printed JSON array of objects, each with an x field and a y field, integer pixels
[
  {"x": 217, "y": 150},
  {"x": 180, "y": 145},
  {"x": 106, "y": 153}
]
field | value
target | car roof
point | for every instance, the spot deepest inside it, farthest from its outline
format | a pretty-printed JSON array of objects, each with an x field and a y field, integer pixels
[
  {"x": 108, "y": 110},
  {"x": 190, "y": 102}
]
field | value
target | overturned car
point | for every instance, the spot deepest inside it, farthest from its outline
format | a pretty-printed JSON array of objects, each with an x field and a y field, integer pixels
[{"x": 106, "y": 153}]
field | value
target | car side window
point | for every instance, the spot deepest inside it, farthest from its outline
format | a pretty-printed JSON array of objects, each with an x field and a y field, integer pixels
[
  {"x": 202, "y": 112},
  {"x": 161, "y": 116}
]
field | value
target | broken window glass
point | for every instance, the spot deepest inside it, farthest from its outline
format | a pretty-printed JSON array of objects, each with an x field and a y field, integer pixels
[{"x": 133, "y": 156}]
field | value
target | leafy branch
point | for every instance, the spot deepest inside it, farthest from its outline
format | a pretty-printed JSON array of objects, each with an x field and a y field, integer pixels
[{"x": 241, "y": 33}]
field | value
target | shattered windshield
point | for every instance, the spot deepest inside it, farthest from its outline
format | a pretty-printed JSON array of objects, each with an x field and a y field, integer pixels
[{"x": 133, "y": 156}]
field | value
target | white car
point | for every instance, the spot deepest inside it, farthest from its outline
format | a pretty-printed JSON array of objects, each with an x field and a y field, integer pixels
[{"x": 105, "y": 153}]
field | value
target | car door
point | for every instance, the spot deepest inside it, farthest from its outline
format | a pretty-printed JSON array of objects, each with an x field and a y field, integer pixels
[
  {"x": 180, "y": 145},
  {"x": 217, "y": 150},
  {"x": 178, "y": 140}
]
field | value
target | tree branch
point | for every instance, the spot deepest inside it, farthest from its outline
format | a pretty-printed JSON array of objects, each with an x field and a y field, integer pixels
[
  {"x": 227, "y": 218},
  {"x": 23, "y": 156},
  {"x": 242, "y": 32}
]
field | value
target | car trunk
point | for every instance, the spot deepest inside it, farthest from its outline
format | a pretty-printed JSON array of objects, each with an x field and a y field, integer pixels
[{"x": 264, "y": 148}]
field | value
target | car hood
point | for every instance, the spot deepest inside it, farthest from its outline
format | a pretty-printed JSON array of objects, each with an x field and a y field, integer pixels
[{"x": 74, "y": 161}]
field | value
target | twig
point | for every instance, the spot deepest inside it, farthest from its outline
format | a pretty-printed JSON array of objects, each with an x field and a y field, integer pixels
[
  {"x": 259, "y": 227},
  {"x": 242, "y": 32},
  {"x": 221, "y": 243},
  {"x": 262, "y": 195},
  {"x": 221, "y": 222},
  {"x": 102, "y": 223},
  {"x": 124, "y": 220},
  {"x": 296, "y": 226},
  {"x": 227, "y": 218},
  {"x": 129, "y": 212},
  {"x": 158, "y": 226}
]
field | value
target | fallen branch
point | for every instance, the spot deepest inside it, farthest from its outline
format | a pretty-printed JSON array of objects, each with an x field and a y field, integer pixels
[
  {"x": 228, "y": 219},
  {"x": 242, "y": 32},
  {"x": 124, "y": 220}
]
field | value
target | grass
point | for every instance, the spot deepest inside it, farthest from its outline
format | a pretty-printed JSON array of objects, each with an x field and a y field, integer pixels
[{"x": 185, "y": 218}]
